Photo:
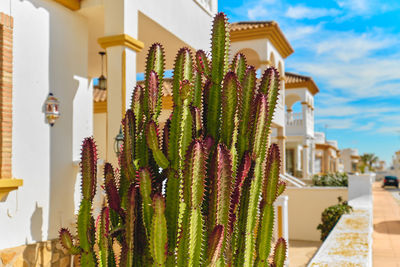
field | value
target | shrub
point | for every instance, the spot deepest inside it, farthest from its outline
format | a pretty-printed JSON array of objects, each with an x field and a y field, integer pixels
[
  {"x": 331, "y": 179},
  {"x": 331, "y": 215}
]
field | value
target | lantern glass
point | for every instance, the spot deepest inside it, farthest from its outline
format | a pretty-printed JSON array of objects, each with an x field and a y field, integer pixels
[
  {"x": 118, "y": 142},
  {"x": 52, "y": 109},
  {"x": 102, "y": 79},
  {"x": 102, "y": 83}
]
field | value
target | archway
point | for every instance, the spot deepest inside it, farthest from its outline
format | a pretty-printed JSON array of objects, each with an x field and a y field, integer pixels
[{"x": 252, "y": 57}]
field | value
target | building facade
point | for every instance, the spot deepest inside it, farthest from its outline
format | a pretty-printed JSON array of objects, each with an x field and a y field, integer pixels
[
  {"x": 300, "y": 145},
  {"x": 52, "y": 46},
  {"x": 350, "y": 159},
  {"x": 327, "y": 155},
  {"x": 264, "y": 45}
]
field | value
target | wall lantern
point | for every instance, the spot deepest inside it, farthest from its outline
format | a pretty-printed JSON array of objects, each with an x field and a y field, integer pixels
[
  {"x": 102, "y": 79},
  {"x": 52, "y": 109},
  {"x": 118, "y": 142}
]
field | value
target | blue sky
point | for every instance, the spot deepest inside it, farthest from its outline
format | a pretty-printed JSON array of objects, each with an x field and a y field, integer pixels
[{"x": 351, "y": 48}]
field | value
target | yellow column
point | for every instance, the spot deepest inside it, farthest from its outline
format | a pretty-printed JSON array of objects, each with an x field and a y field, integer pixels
[
  {"x": 121, "y": 52},
  {"x": 282, "y": 147},
  {"x": 305, "y": 161}
]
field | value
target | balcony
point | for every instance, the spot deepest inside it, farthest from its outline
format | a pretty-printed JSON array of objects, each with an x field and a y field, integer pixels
[
  {"x": 294, "y": 119},
  {"x": 297, "y": 125}
]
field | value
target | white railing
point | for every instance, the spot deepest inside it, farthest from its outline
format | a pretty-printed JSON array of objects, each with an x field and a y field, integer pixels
[
  {"x": 292, "y": 180},
  {"x": 207, "y": 5},
  {"x": 294, "y": 119}
]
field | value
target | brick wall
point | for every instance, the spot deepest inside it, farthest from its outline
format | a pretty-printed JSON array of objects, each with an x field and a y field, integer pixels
[{"x": 6, "y": 66}]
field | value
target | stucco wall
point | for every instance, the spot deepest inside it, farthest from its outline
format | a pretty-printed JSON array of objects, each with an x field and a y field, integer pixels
[
  {"x": 196, "y": 33},
  {"x": 264, "y": 49},
  {"x": 305, "y": 208},
  {"x": 50, "y": 55}
]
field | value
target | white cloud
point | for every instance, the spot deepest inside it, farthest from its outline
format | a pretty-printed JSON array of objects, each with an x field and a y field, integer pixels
[
  {"x": 389, "y": 129},
  {"x": 350, "y": 46},
  {"x": 301, "y": 32},
  {"x": 366, "y": 127},
  {"x": 258, "y": 11},
  {"x": 367, "y": 8},
  {"x": 304, "y": 12},
  {"x": 369, "y": 77},
  {"x": 358, "y": 6},
  {"x": 337, "y": 123},
  {"x": 349, "y": 109},
  {"x": 337, "y": 111}
]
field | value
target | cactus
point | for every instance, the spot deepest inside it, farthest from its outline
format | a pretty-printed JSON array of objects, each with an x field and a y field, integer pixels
[{"x": 213, "y": 156}]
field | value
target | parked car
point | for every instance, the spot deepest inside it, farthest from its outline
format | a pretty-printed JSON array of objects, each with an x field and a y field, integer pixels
[{"x": 391, "y": 180}]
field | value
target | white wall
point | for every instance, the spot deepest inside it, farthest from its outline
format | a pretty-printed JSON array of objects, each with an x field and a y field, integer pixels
[
  {"x": 360, "y": 185},
  {"x": 307, "y": 125},
  {"x": 50, "y": 55},
  {"x": 264, "y": 48},
  {"x": 189, "y": 21},
  {"x": 100, "y": 133}
]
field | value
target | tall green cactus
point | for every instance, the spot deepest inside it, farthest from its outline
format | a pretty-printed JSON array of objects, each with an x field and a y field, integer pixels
[{"x": 203, "y": 193}]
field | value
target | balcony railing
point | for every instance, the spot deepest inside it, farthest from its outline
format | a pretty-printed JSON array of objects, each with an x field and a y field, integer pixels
[{"x": 294, "y": 119}]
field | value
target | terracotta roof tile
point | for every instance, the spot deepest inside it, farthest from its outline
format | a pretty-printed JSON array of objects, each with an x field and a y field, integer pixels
[
  {"x": 246, "y": 25},
  {"x": 294, "y": 80}
]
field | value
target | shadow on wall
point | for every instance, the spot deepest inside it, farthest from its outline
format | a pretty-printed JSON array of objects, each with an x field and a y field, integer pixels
[
  {"x": 388, "y": 227},
  {"x": 37, "y": 223},
  {"x": 66, "y": 32},
  {"x": 31, "y": 251}
]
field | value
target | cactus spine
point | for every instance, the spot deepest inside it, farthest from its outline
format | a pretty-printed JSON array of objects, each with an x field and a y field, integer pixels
[{"x": 221, "y": 174}]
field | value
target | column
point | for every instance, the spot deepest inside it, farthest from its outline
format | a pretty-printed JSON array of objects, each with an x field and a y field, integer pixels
[
  {"x": 121, "y": 45},
  {"x": 282, "y": 147},
  {"x": 305, "y": 161},
  {"x": 264, "y": 64},
  {"x": 289, "y": 115},
  {"x": 312, "y": 169},
  {"x": 304, "y": 108},
  {"x": 325, "y": 161}
]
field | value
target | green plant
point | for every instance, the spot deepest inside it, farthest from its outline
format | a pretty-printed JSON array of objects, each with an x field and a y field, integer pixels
[
  {"x": 331, "y": 179},
  {"x": 368, "y": 160},
  {"x": 331, "y": 215},
  {"x": 221, "y": 173}
]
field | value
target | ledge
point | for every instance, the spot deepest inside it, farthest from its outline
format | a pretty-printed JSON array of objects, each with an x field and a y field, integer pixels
[
  {"x": 350, "y": 242},
  {"x": 71, "y": 4},
  {"x": 8, "y": 185},
  {"x": 121, "y": 40}
]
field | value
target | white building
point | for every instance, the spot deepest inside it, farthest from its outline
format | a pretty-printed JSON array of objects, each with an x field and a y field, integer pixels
[
  {"x": 350, "y": 160},
  {"x": 396, "y": 163},
  {"x": 326, "y": 154},
  {"x": 300, "y": 145},
  {"x": 264, "y": 45},
  {"x": 51, "y": 46}
]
